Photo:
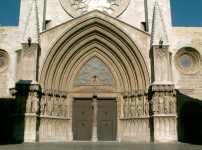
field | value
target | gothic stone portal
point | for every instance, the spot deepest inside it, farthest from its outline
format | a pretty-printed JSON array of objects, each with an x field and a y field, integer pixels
[{"x": 83, "y": 116}]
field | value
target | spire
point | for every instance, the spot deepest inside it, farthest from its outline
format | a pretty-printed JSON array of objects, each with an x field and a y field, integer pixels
[
  {"x": 32, "y": 25},
  {"x": 158, "y": 27}
]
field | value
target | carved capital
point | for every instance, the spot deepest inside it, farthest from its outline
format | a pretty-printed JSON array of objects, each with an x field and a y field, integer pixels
[
  {"x": 125, "y": 95},
  {"x": 56, "y": 93},
  {"x": 49, "y": 92},
  {"x": 64, "y": 94}
]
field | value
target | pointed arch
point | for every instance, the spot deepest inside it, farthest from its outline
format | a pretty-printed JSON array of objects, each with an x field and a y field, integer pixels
[{"x": 100, "y": 38}]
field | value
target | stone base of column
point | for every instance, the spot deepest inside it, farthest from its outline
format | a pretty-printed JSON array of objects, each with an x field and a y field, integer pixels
[
  {"x": 118, "y": 137},
  {"x": 165, "y": 129},
  {"x": 94, "y": 137},
  {"x": 70, "y": 136}
]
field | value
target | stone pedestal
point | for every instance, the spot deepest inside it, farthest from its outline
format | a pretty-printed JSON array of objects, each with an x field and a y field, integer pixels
[
  {"x": 135, "y": 129},
  {"x": 30, "y": 128},
  {"x": 165, "y": 129}
]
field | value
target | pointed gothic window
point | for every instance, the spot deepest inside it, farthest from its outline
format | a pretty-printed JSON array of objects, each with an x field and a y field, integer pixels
[{"x": 94, "y": 72}]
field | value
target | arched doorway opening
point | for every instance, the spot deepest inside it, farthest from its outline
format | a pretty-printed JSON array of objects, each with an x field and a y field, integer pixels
[
  {"x": 190, "y": 122},
  {"x": 4, "y": 122}
]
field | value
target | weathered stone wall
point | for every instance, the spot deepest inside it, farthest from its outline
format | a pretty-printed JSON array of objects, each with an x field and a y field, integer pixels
[
  {"x": 191, "y": 37},
  {"x": 8, "y": 43}
]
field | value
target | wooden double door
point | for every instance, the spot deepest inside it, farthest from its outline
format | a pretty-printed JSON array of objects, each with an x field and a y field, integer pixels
[{"x": 82, "y": 120}]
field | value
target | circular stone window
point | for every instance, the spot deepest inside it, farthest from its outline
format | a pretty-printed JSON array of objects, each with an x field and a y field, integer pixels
[
  {"x": 80, "y": 7},
  {"x": 4, "y": 60},
  {"x": 188, "y": 60}
]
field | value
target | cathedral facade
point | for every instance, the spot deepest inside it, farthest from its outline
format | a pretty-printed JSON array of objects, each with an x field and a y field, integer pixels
[{"x": 100, "y": 70}]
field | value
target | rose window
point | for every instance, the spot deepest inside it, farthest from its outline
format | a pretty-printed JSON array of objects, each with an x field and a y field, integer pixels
[
  {"x": 80, "y": 7},
  {"x": 94, "y": 68},
  {"x": 83, "y": 6}
]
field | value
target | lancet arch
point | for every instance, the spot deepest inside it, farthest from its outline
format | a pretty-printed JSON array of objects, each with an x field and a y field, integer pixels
[{"x": 90, "y": 38}]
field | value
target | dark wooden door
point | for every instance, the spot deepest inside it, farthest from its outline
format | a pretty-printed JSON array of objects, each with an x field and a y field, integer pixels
[
  {"x": 82, "y": 119},
  {"x": 107, "y": 120}
]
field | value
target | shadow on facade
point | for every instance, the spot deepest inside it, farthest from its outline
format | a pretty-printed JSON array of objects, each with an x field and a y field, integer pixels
[
  {"x": 6, "y": 125},
  {"x": 189, "y": 119}
]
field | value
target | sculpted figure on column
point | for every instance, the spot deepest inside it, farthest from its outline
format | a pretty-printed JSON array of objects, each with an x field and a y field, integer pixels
[
  {"x": 166, "y": 103},
  {"x": 56, "y": 106},
  {"x": 63, "y": 107},
  {"x": 94, "y": 105},
  {"x": 173, "y": 103},
  {"x": 139, "y": 107},
  {"x": 125, "y": 108},
  {"x": 35, "y": 103},
  {"x": 42, "y": 104},
  {"x": 29, "y": 103},
  {"x": 133, "y": 106},
  {"x": 161, "y": 105},
  {"x": 146, "y": 106},
  {"x": 49, "y": 105},
  {"x": 155, "y": 105}
]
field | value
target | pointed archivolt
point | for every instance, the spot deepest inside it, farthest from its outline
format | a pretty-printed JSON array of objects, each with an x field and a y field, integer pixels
[{"x": 94, "y": 72}]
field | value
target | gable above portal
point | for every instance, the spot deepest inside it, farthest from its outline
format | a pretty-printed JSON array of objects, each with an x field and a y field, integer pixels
[{"x": 51, "y": 36}]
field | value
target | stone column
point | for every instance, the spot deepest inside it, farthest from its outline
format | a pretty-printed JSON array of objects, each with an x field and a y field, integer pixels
[
  {"x": 95, "y": 110},
  {"x": 118, "y": 137},
  {"x": 70, "y": 112}
]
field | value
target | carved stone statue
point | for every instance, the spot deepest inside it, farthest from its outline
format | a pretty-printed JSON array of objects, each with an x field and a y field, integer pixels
[
  {"x": 49, "y": 105},
  {"x": 56, "y": 106},
  {"x": 22, "y": 106},
  {"x": 161, "y": 107},
  {"x": 35, "y": 103},
  {"x": 139, "y": 107},
  {"x": 125, "y": 108},
  {"x": 166, "y": 103},
  {"x": 133, "y": 106},
  {"x": 147, "y": 106},
  {"x": 63, "y": 107},
  {"x": 42, "y": 105},
  {"x": 94, "y": 105},
  {"x": 173, "y": 104},
  {"x": 155, "y": 105},
  {"x": 29, "y": 103}
]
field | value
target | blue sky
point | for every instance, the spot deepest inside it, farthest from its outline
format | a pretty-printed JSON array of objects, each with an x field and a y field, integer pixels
[{"x": 182, "y": 10}]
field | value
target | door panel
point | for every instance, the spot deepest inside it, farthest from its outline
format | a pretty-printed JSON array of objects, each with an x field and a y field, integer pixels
[
  {"x": 82, "y": 119},
  {"x": 106, "y": 130},
  {"x": 107, "y": 120}
]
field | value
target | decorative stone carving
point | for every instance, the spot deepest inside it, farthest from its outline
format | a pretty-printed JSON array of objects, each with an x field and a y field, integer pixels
[
  {"x": 118, "y": 100},
  {"x": 154, "y": 102},
  {"x": 173, "y": 102},
  {"x": 56, "y": 103},
  {"x": 29, "y": 103},
  {"x": 42, "y": 104},
  {"x": 95, "y": 110},
  {"x": 49, "y": 102},
  {"x": 125, "y": 107},
  {"x": 166, "y": 103},
  {"x": 70, "y": 107},
  {"x": 161, "y": 103},
  {"x": 139, "y": 106},
  {"x": 63, "y": 107},
  {"x": 35, "y": 103},
  {"x": 94, "y": 105},
  {"x": 146, "y": 105},
  {"x": 133, "y": 103}
]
